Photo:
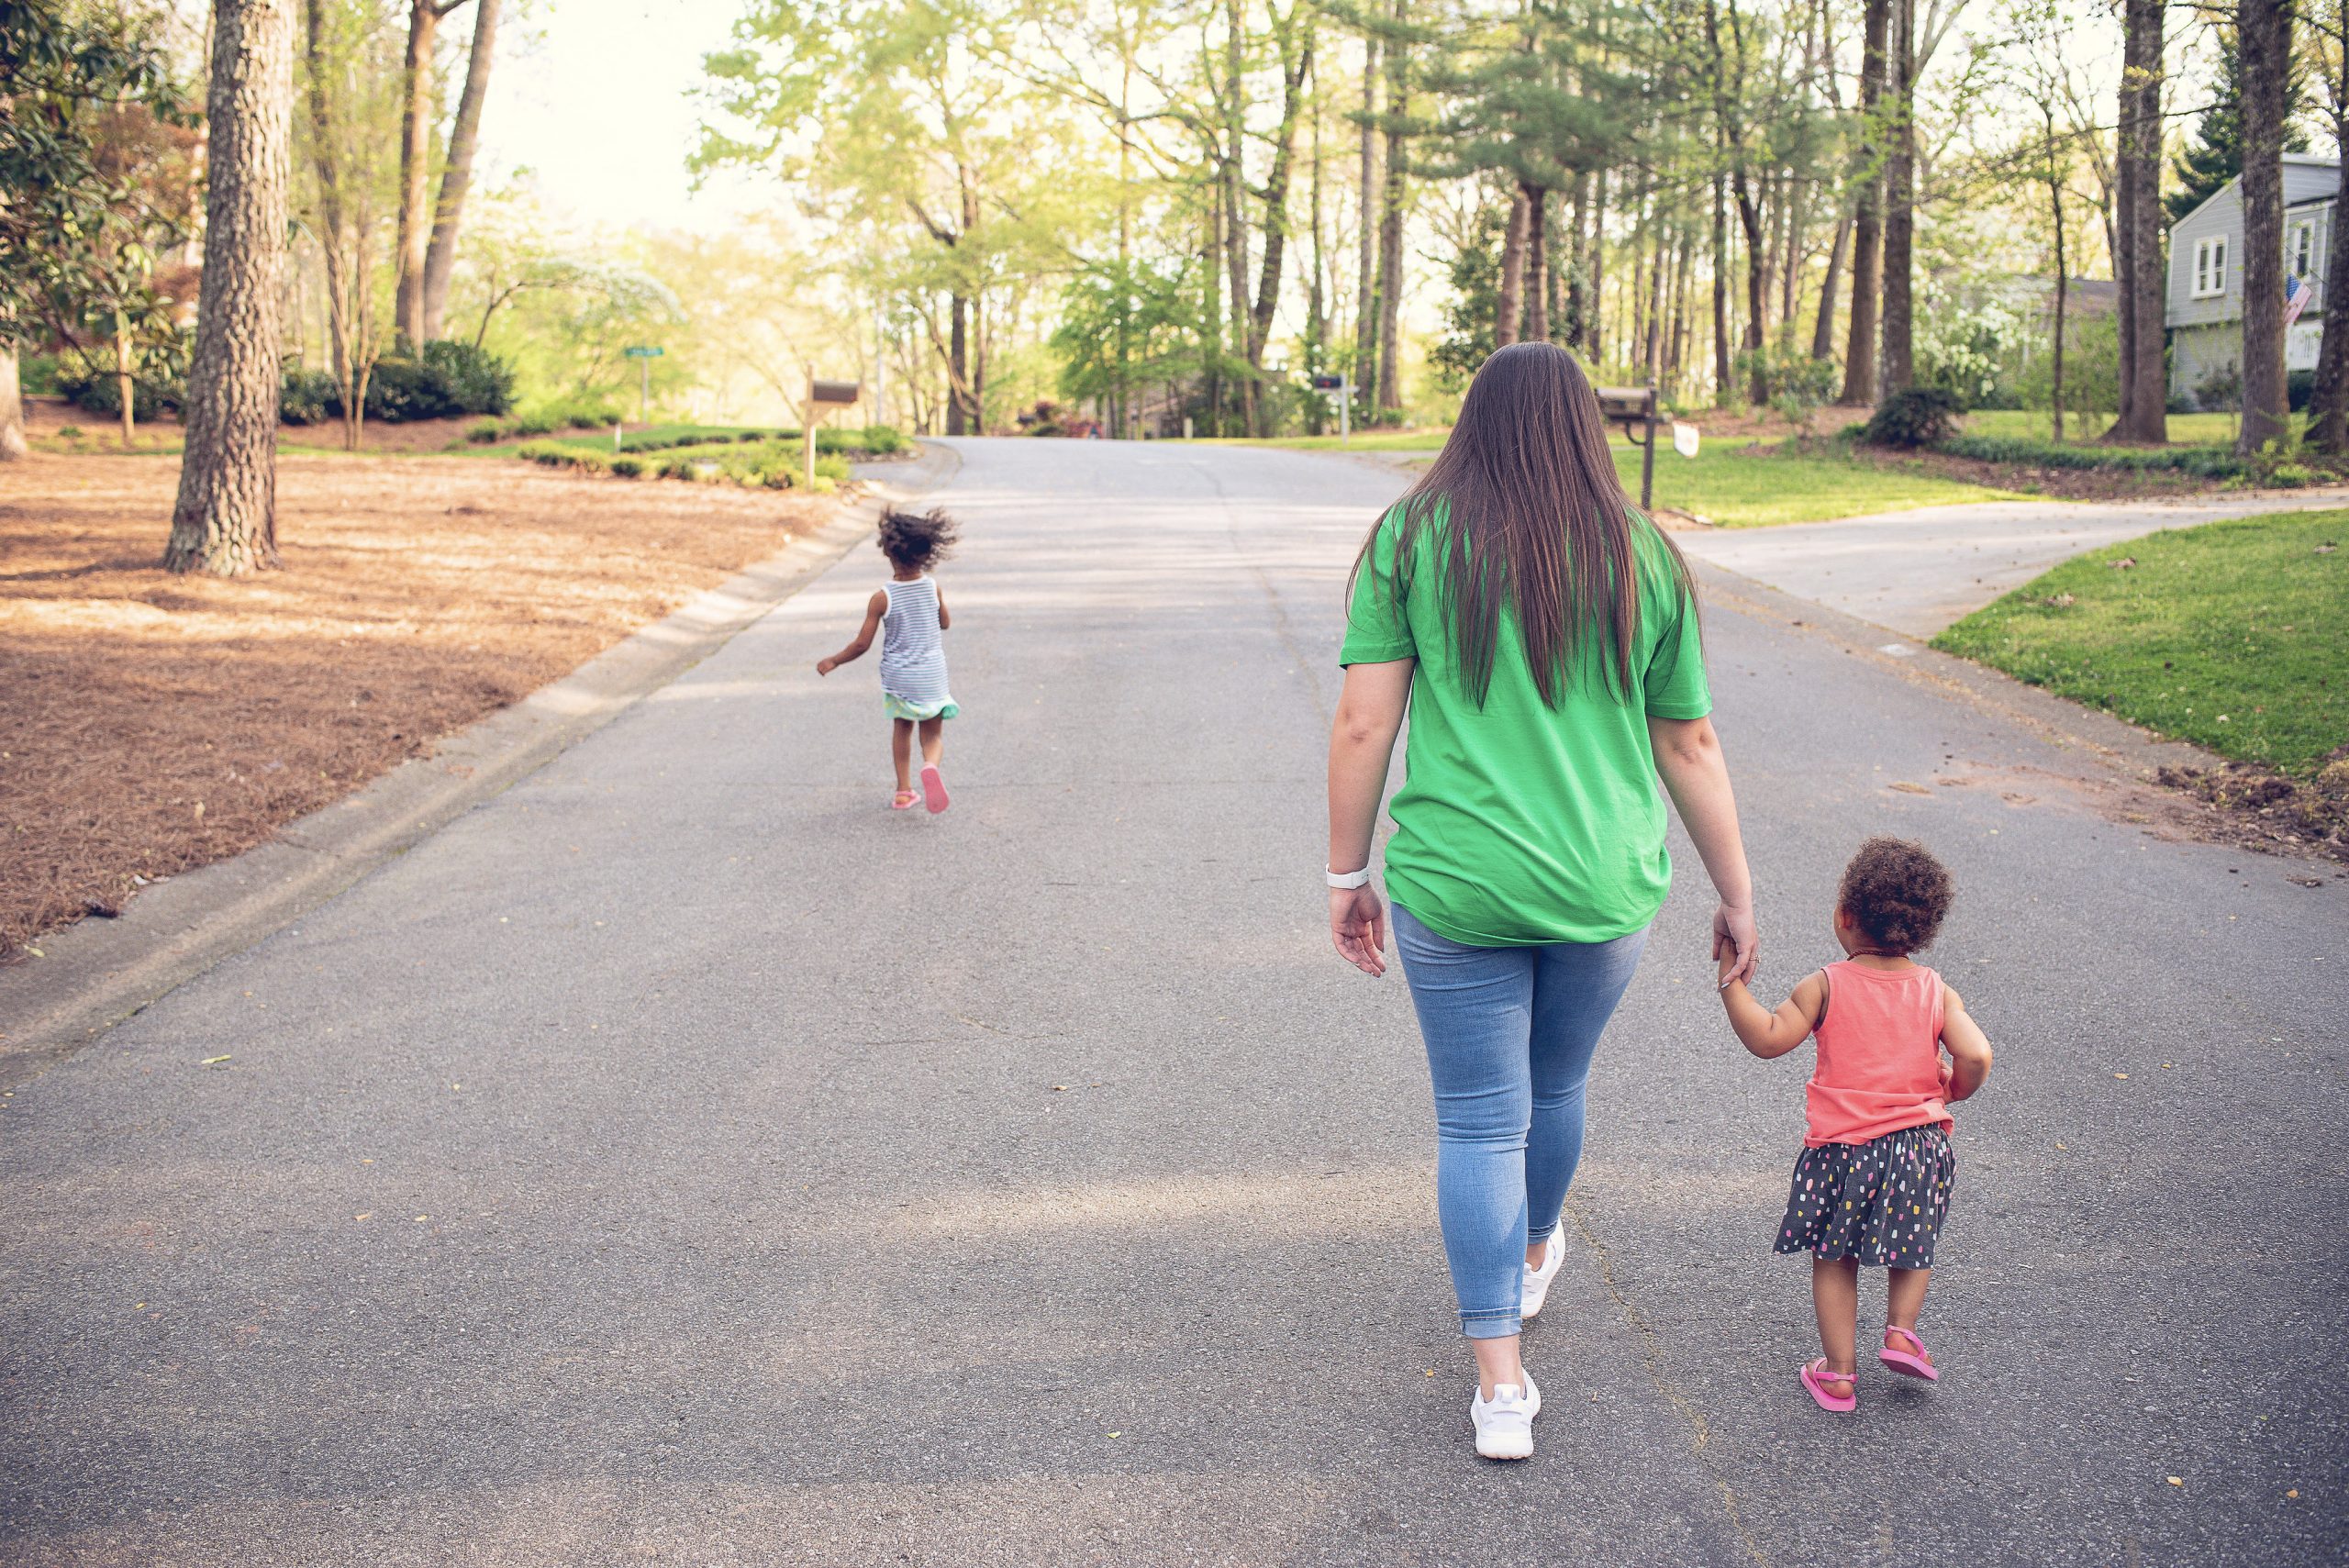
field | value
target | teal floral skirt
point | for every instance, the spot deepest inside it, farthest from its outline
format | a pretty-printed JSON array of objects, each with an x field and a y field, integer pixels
[{"x": 898, "y": 708}]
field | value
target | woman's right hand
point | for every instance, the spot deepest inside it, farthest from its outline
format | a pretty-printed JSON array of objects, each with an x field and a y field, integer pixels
[
  {"x": 1358, "y": 926},
  {"x": 1736, "y": 939}
]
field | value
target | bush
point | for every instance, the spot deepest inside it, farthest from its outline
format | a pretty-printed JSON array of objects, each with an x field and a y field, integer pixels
[
  {"x": 102, "y": 394},
  {"x": 36, "y": 374},
  {"x": 306, "y": 397},
  {"x": 475, "y": 380},
  {"x": 1916, "y": 416},
  {"x": 627, "y": 467},
  {"x": 484, "y": 431},
  {"x": 2203, "y": 463}
]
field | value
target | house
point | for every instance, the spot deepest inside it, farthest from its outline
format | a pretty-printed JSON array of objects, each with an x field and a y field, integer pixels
[{"x": 2204, "y": 313}]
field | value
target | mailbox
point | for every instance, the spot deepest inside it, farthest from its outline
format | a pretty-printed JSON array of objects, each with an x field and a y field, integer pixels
[{"x": 834, "y": 391}]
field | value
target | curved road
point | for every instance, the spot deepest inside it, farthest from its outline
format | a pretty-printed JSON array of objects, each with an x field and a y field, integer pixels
[{"x": 681, "y": 1158}]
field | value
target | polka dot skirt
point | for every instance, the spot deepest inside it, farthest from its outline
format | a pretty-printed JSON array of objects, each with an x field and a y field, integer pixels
[{"x": 1881, "y": 1202}]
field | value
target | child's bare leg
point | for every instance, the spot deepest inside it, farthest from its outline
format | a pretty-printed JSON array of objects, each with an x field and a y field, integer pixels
[
  {"x": 1835, "y": 1293},
  {"x": 933, "y": 740},
  {"x": 901, "y": 751},
  {"x": 1904, "y": 1298}
]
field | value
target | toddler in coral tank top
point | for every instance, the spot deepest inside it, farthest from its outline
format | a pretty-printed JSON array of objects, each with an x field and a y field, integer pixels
[{"x": 1872, "y": 1185}]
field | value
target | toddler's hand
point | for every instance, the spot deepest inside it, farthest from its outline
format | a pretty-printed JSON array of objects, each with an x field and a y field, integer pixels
[
  {"x": 1947, "y": 1069},
  {"x": 826, "y": 666},
  {"x": 1727, "y": 971}
]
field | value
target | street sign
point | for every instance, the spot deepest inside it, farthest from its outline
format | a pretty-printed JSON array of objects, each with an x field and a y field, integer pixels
[
  {"x": 834, "y": 391},
  {"x": 642, "y": 354}
]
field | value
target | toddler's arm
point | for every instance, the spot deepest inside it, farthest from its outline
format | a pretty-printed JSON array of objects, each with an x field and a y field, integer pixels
[
  {"x": 873, "y": 611},
  {"x": 1969, "y": 1048},
  {"x": 944, "y": 618},
  {"x": 1768, "y": 1034}
]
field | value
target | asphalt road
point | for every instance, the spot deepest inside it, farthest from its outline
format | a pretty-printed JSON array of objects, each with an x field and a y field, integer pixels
[{"x": 684, "y": 1159}]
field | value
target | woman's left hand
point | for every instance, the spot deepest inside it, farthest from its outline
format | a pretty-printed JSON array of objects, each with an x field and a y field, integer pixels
[{"x": 1358, "y": 926}]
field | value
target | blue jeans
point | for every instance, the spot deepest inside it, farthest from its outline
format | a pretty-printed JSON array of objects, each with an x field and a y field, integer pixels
[{"x": 1509, "y": 1032}]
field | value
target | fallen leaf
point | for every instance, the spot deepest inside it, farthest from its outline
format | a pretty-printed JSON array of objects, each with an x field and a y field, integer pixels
[
  {"x": 1907, "y": 789},
  {"x": 1117, "y": 1434},
  {"x": 2293, "y": 1493},
  {"x": 2120, "y": 1074},
  {"x": 2175, "y": 1480},
  {"x": 1059, "y": 1088},
  {"x": 2059, "y": 601},
  {"x": 210, "y": 1060},
  {"x": 2326, "y": 548},
  {"x": 368, "y": 1214},
  {"x": 2124, "y": 564},
  {"x": 422, "y": 1217}
]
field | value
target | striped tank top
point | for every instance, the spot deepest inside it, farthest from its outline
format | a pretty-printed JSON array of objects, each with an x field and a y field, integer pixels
[{"x": 913, "y": 654}]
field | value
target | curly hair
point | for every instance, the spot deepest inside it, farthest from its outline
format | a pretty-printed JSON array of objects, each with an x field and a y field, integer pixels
[
  {"x": 914, "y": 539},
  {"x": 1897, "y": 893}
]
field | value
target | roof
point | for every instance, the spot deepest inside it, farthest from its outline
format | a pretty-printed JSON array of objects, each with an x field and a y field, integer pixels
[{"x": 2308, "y": 165}]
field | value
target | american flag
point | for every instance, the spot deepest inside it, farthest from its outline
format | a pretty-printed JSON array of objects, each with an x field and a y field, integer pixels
[{"x": 2296, "y": 298}]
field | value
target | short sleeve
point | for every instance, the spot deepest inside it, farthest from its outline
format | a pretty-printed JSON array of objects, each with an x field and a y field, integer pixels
[
  {"x": 1674, "y": 685},
  {"x": 1378, "y": 626}
]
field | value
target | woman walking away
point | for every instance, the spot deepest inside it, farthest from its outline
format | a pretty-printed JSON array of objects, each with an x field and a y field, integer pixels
[
  {"x": 1544, "y": 635},
  {"x": 910, "y": 613}
]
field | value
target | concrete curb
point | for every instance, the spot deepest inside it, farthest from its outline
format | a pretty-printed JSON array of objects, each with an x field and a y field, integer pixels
[{"x": 99, "y": 972}]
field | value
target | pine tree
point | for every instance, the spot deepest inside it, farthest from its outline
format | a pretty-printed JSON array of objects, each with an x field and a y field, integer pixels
[{"x": 2215, "y": 154}]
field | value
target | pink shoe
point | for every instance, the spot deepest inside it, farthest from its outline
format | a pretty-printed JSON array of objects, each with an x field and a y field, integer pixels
[
  {"x": 903, "y": 801},
  {"x": 933, "y": 789},
  {"x": 1815, "y": 1377},
  {"x": 1914, "y": 1366}
]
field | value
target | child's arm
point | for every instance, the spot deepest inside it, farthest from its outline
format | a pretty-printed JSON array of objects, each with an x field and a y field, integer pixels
[
  {"x": 1969, "y": 1048},
  {"x": 944, "y": 620},
  {"x": 1768, "y": 1034},
  {"x": 873, "y": 611}
]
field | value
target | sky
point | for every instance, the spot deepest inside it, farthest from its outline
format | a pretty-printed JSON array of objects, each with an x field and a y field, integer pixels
[{"x": 591, "y": 95}]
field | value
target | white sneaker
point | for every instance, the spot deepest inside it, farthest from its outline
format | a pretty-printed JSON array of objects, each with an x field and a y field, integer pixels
[
  {"x": 1536, "y": 1289},
  {"x": 1505, "y": 1422}
]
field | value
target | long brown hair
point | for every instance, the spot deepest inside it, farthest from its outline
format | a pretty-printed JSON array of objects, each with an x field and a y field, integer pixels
[{"x": 1537, "y": 522}]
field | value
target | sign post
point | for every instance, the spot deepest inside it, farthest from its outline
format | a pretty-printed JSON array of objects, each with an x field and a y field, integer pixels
[
  {"x": 1343, "y": 389},
  {"x": 643, "y": 356},
  {"x": 823, "y": 395}
]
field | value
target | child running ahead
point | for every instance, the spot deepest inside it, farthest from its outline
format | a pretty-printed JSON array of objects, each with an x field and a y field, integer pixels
[
  {"x": 910, "y": 613},
  {"x": 1872, "y": 1185}
]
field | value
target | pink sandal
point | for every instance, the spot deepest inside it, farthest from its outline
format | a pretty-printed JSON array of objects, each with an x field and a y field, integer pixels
[
  {"x": 903, "y": 800},
  {"x": 1913, "y": 1365},
  {"x": 1815, "y": 1377},
  {"x": 933, "y": 789}
]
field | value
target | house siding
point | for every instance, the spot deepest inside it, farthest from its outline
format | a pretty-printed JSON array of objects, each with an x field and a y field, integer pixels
[{"x": 2205, "y": 335}]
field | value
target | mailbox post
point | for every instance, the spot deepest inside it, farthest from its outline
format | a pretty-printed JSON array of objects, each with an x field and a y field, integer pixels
[
  {"x": 1343, "y": 389},
  {"x": 823, "y": 395},
  {"x": 643, "y": 356},
  {"x": 1633, "y": 407}
]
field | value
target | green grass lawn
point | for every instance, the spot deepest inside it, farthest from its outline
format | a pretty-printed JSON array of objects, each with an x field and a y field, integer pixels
[
  {"x": 2031, "y": 423},
  {"x": 2230, "y": 635},
  {"x": 1727, "y": 484}
]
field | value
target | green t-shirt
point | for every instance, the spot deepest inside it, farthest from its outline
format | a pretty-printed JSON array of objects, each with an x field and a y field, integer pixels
[{"x": 1519, "y": 823}]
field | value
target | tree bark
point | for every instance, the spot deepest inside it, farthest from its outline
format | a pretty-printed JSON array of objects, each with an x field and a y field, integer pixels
[
  {"x": 1390, "y": 227},
  {"x": 958, "y": 365},
  {"x": 456, "y": 179},
  {"x": 224, "y": 519},
  {"x": 1867, "y": 256},
  {"x": 415, "y": 161},
  {"x": 1365, "y": 283},
  {"x": 1574, "y": 308},
  {"x": 2144, "y": 381},
  {"x": 2263, "y": 30},
  {"x": 13, "y": 444},
  {"x": 2063, "y": 278},
  {"x": 1235, "y": 201},
  {"x": 1277, "y": 183},
  {"x": 1900, "y": 206},
  {"x": 1508, "y": 309},
  {"x": 1720, "y": 292},
  {"x": 1822, "y": 335},
  {"x": 1537, "y": 264},
  {"x": 2329, "y": 406},
  {"x": 1594, "y": 303}
]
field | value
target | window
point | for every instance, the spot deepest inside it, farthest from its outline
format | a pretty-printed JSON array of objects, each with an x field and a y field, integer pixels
[
  {"x": 2300, "y": 248},
  {"x": 2210, "y": 268}
]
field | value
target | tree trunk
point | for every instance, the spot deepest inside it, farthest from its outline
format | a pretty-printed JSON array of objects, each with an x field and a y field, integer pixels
[
  {"x": 1574, "y": 305},
  {"x": 1365, "y": 283},
  {"x": 1867, "y": 257},
  {"x": 415, "y": 163},
  {"x": 1537, "y": 264},
  {"x": 1235, "y": 202},
  {"x": 440, "y": 259},
  {"x": 13, "y": 444},
  {"x": 1749, "y": 219},
  {"x": 1277, "y": 183},
  {"x": 1900, "y": 206},
  {"x": 1390, "y": 227},
  {"x": 1509, "y": 308},
  {"x": 2063, "y": 280},
  {"x": 1721, "y": 381},
  {"x": 2264, "y": 29},
  {"x": 2143, "y": 300},
  {"x": 124, "y": 384},
  {"x": 1595, "y": 302},
  {"x": 958, "y": 365},
  {"x": 2328, "y": 407},
  {"x": 1823, "y": 336},
  {"x": 224, "y": 519}
]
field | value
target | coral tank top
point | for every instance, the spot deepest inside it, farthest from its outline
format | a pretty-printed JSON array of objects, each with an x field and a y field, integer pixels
[{"x": 1879, "y": 1055}]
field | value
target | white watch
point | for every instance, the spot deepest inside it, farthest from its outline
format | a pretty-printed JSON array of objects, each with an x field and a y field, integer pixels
[{"x": 1348, "y": 878}]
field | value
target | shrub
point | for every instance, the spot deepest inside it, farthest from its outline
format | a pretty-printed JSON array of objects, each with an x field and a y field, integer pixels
[
  {"x": 473, "y": 379},
  {"x": 1914, "y": 417},
  {"x": 2203, "y": 463},
  {"x": 627, "y": 467},
  {"x": 70, "y": 432},
  {"x": 306, "y": 396},
  {"x": 484, "y": 431},
  {"x": 102, "y": 394}
]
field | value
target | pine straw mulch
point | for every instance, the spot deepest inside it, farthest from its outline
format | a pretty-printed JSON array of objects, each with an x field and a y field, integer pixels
[
  {"x": 2261, "y": 809},
  {"x": 152, "y": 723}
]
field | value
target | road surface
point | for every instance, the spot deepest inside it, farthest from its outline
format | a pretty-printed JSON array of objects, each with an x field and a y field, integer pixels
[{"x": 682, "y": 1158}]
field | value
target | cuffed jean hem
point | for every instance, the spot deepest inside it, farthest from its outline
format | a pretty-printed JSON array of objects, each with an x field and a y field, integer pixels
[
  {"x": 1537, "y": 1234},
  {"x": 1490, "y": 1325}
]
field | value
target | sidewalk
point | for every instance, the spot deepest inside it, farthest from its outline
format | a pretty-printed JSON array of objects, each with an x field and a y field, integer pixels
[{"x": 1916, "y": 571}]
